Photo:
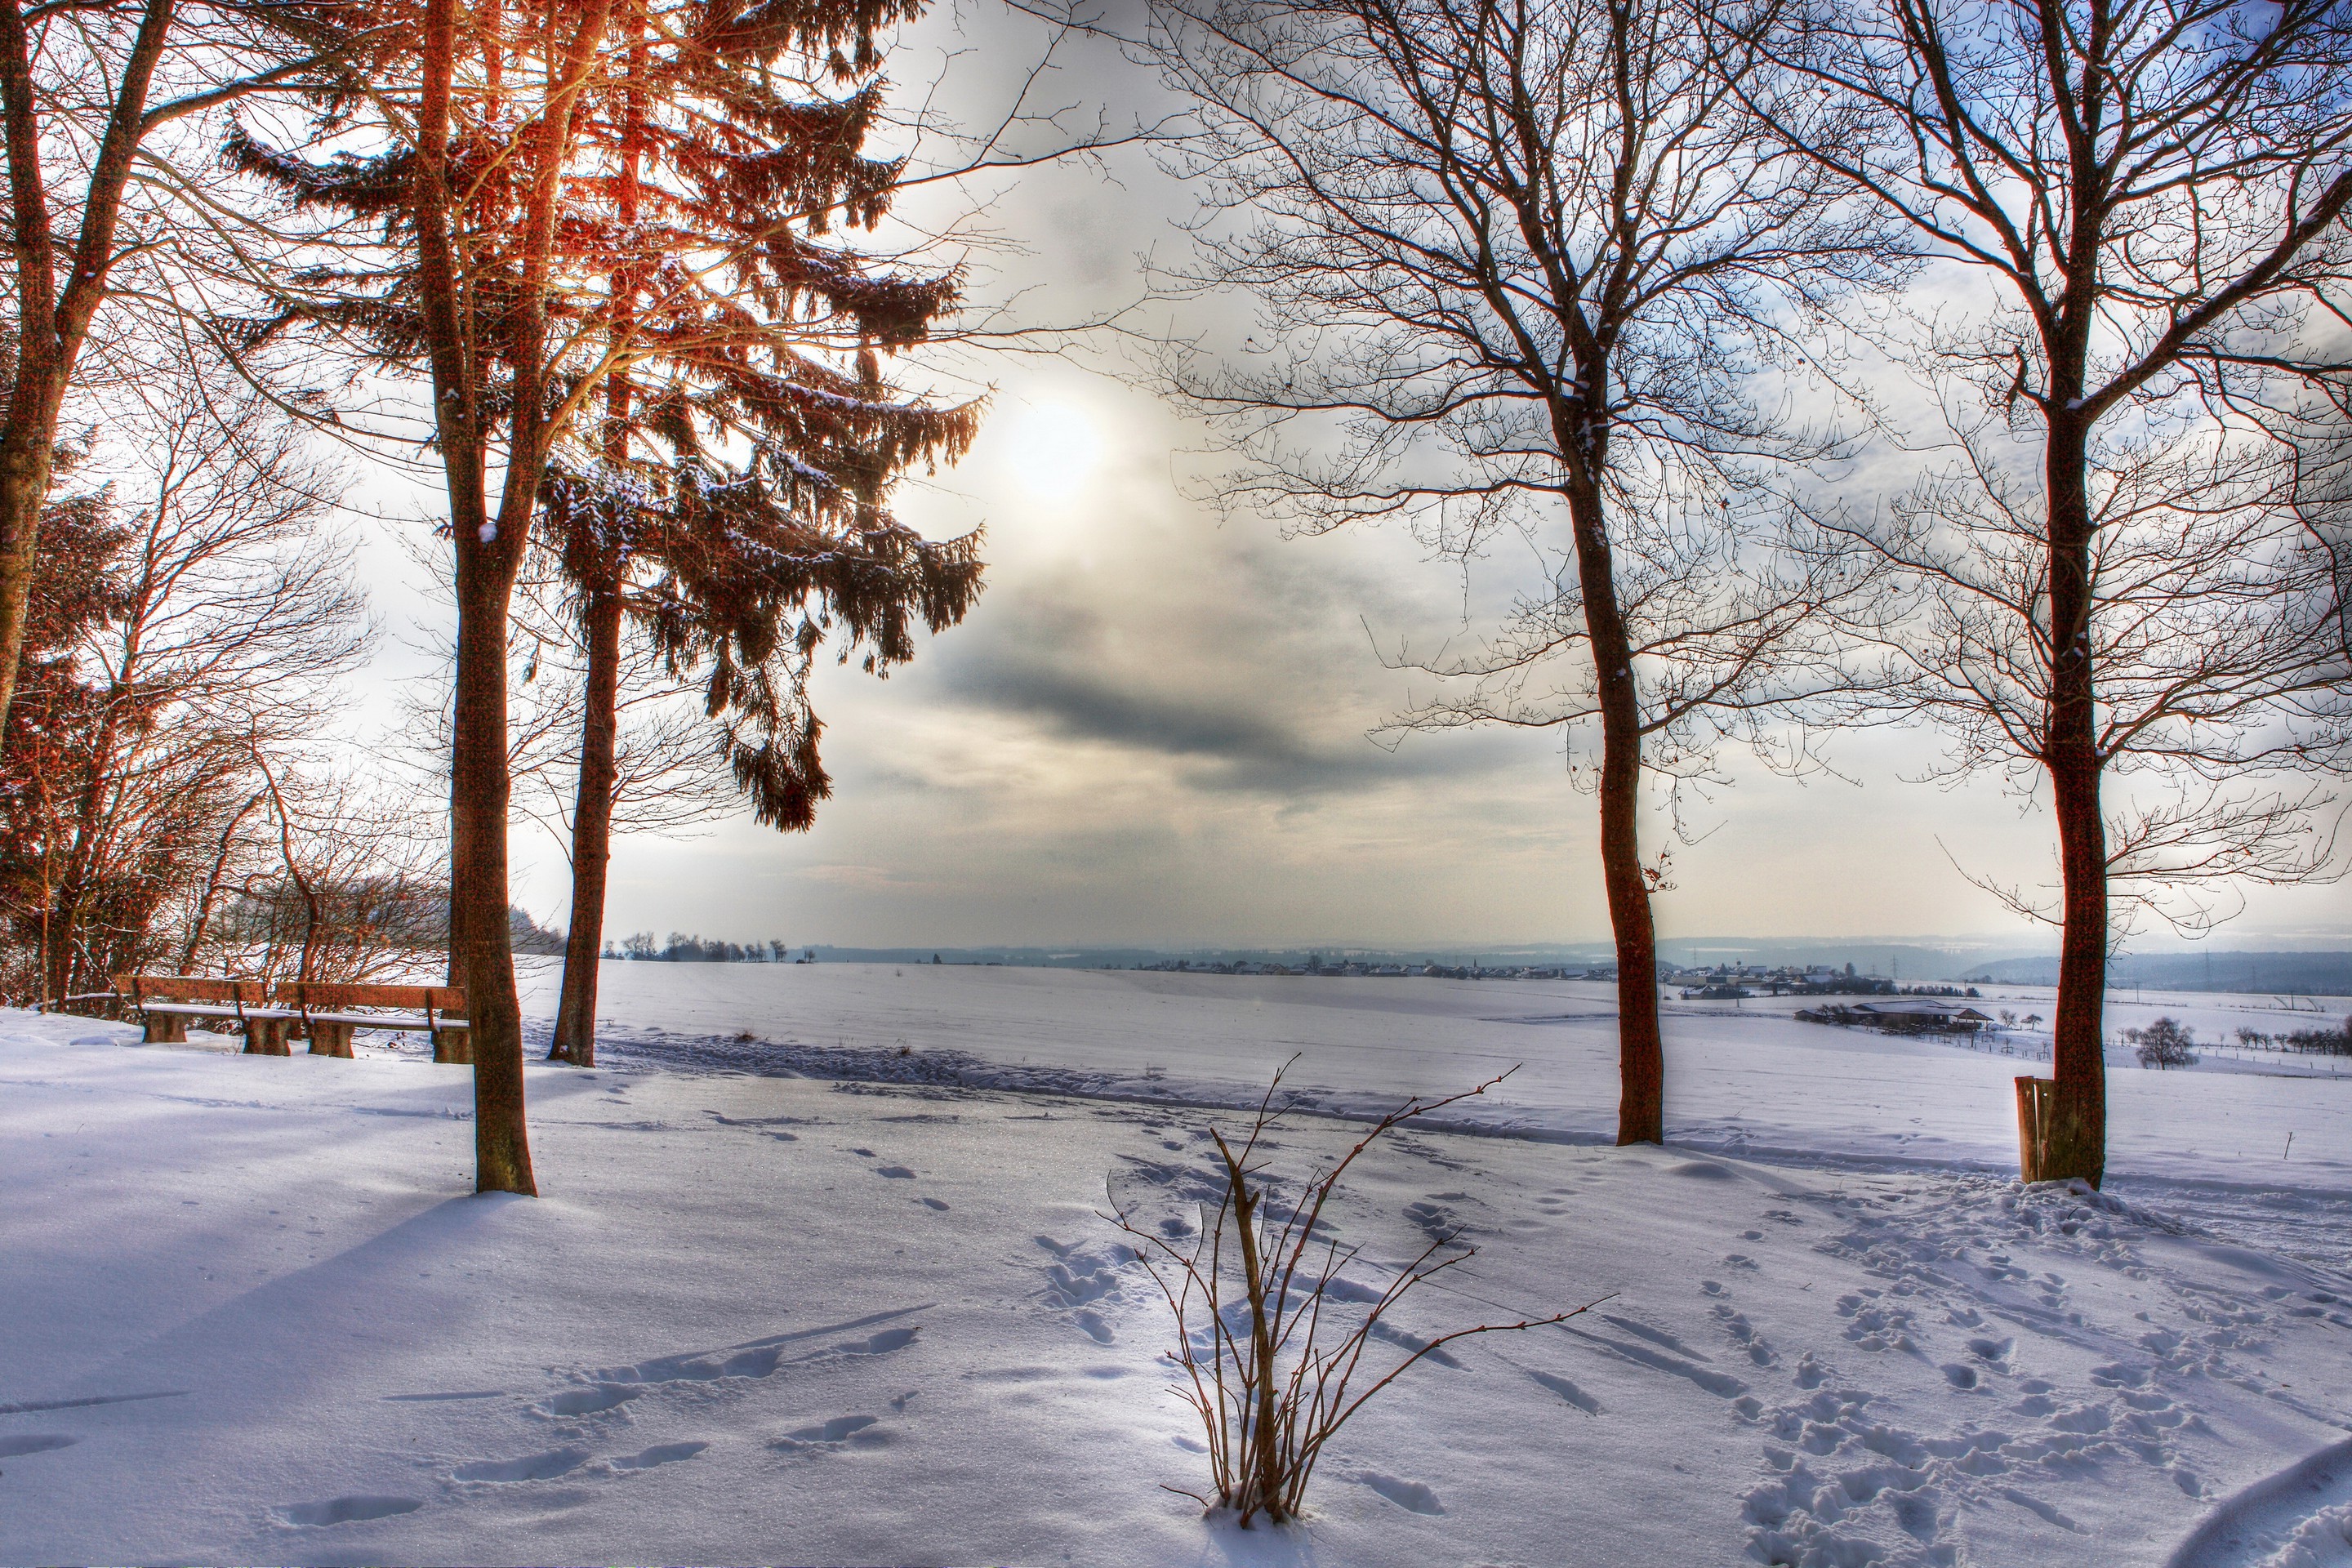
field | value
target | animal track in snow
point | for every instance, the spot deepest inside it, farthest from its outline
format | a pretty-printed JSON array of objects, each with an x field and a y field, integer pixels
[
  {"x": 1849, "y": 1486},
  {"x": 896, "y": 1172},
  {"x": 1078, "y": 1279},
  {"x": 1743, "y": 1334},
  {"x": 355, "y": 1509},
  {"x": 934, "y": 1203}
]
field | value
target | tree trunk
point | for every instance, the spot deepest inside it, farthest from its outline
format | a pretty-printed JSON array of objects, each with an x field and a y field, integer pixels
[
  {"x": 602, "y": 561},
  {"x": 1641, "y": 1105},
  {"x": 479, "y": 791},
  {"x": 2078, "y": 1131},
  {"x": 65, "y": 921},
  {"x": 25, "y": 450},
  {"x": 202, "y": 922},
  {"x": 591, "y": 826}
]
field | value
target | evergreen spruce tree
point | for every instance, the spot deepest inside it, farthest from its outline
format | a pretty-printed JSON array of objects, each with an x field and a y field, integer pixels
[
  {"x": 601, "y": 228},
  {"x": 731, "y": 495}
]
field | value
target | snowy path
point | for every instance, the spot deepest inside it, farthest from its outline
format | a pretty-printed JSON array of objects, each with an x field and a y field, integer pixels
[
  {"x": 2299, "y": 1518},
  {"x": 252, "y": 1317}
]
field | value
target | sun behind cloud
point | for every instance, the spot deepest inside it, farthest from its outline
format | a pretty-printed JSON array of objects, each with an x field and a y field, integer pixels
[{"x": 1052, "y": 447}]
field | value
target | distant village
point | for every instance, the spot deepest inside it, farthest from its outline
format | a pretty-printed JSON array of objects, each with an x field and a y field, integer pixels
[
  {"x": 1892, "y": 1008},
  {"x": 1722, "y": 982}
]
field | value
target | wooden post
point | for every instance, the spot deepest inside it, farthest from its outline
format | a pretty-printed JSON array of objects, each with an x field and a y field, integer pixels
[
  {"x": 2034, "y": 1100},
  {"x": 330, "y": 1039}
]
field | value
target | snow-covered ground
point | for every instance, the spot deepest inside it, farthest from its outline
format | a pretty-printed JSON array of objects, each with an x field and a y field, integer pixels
[{"x": 872, "y": 1314}]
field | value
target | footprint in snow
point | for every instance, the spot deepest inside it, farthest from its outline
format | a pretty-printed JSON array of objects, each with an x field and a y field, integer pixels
[
  {"x": 1413, "y": 1497},
  {"x": 934, "y": 1203},
  {"x": 660, "y": 1454},
  {"x": 356, "y": 1510},
  {"x": 1743, "y": 1334},
  {"x": 589, "y": 1400},
  {"x": 827, "y": 1437},
  {"x": 896, "y": 1172},
  {"x": 529, "y": 1467}
]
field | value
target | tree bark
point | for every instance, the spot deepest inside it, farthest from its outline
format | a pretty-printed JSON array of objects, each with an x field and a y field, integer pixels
[
  {"x": 480, "y": 789},
  {"x": 603, "y": 565},
  {"x": 2078, "y": 1132},
  {"x": 480, "y": 946},
  {"x": 26, "y": 443},
  {"x": 1641, "y": 1105},
  {"x": 591, "y": 826}
]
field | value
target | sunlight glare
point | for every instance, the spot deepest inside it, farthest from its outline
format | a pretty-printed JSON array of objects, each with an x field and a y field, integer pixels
[{"x": 1053, "y": 449}]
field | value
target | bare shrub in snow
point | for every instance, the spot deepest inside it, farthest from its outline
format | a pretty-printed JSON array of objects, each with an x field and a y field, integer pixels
[
  {"x": 1270, "y": 1339},
  {"x": 2166, "y": 1043}
]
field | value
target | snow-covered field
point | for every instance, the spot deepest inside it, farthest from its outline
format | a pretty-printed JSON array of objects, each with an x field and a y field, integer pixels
[{"x": 250, "y": 1311}]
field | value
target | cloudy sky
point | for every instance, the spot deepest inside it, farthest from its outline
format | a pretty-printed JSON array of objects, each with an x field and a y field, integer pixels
[{"x": 1154, "y": 728}]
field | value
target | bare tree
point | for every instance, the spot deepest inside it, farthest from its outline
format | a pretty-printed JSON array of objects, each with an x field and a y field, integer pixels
[
  {"x": 348, "y": 883},
  {"x": 667, "y": 778},
  {"x": 1534, "y": 258},
  {"x": 86, "y": 90},
  {"x": 228, "y": 616},
  {"x": 2115, "y": 578}
]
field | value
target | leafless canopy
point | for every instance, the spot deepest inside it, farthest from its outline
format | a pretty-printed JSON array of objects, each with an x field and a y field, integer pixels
[
  {"x": 2156, "y": 188},
  {"x": 1505, "y": 248},
  {"x": 1529, "y": 268}
]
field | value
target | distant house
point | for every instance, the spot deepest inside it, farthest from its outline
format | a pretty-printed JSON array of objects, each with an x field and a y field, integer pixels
[{"x": 1902, "y": 1015}]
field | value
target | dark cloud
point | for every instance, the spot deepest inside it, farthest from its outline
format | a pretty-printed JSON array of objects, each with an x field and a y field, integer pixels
[{"x": 1235, "y": 713}]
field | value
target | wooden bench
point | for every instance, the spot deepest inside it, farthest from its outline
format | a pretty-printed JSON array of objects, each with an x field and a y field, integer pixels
[
  {"x": 330, "y": 1013},
  {"x": 166, "y": 1002}
]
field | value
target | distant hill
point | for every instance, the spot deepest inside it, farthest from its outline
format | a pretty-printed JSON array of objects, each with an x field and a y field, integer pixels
[
  {"x": 2278, "y": 974},
  {"x": 2298, "y": 973}
]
